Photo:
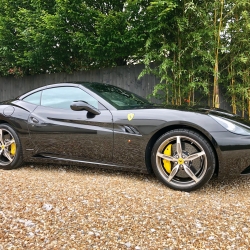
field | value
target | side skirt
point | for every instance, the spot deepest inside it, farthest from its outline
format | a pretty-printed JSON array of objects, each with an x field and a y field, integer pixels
[{"x": 42, "y": 158}]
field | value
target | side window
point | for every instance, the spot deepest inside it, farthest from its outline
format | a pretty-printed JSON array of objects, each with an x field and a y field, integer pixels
[
  {"x": 34, "y": 98},
  {"x": 62, "y": 97}
]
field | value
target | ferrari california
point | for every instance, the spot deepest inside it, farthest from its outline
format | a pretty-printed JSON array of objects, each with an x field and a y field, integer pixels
[{"x": 101, "y": 125}]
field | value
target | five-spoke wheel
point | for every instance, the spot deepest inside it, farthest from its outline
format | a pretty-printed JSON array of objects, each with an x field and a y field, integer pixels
[
  {"x": 182, "y": 159},
  {"x": 10, "y": 148}
]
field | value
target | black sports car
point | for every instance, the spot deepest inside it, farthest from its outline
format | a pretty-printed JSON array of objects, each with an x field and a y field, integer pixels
[{"x": 103, "y": 125}]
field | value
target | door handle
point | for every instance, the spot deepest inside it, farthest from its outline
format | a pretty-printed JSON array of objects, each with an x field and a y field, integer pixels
[{"x": 34, "y": 120}]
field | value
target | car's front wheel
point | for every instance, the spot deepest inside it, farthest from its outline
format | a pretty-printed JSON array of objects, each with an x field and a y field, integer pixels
[
  {"x": 183, "y": 160},
  {"x": 10, "y": 148}
]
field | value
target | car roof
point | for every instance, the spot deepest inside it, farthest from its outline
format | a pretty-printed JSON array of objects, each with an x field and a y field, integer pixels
[
  {"x": 63, "y": 84},
  {"x": 79, "y": 84}
]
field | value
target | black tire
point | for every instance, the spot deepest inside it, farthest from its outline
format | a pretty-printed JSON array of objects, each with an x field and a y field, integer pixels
[
  {"x": 185, "y": 167},
  {"x": 10, "y": 148}
]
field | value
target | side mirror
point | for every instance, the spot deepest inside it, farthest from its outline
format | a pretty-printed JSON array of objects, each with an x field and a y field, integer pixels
[{"x": 81, "y": 105}]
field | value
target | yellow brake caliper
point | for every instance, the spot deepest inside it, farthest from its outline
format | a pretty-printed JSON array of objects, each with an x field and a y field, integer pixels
[
  {"x": 167, "y": 164},
  {"x": 13, "y": 149}
]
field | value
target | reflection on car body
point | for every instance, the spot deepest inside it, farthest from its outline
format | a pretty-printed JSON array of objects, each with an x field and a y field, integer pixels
[{"x": 102, "y": 125}]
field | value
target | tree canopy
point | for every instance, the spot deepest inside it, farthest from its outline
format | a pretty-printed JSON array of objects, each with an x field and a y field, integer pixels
[
  {"x": 47, "y": 36},
  {"x": 191, "y": 45},
  {"x": 199, "y": 46}
]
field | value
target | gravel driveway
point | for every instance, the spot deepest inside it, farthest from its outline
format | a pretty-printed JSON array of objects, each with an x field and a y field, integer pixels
[{"x": 58, "y": 207}]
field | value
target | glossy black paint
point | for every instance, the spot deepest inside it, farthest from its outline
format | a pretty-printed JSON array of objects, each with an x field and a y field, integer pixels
[{"x": 110, "y": 139}]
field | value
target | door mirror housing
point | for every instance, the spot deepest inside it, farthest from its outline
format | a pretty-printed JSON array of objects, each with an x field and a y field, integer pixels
[{"x": 81, "y": 105}]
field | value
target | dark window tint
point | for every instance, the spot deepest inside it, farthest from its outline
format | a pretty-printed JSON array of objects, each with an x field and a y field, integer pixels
[
  {"x": 62, "y": 97},
  {"x": 119, "y": 98},
  {"x": 34, "y": 98}
]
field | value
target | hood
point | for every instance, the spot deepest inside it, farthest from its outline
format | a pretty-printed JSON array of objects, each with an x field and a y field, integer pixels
[
  {"x": 200, "y": 109},
  {"x": 216, "y": 112}
]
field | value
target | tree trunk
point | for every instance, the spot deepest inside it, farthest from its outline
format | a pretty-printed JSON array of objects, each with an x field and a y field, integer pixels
[{"x": 216, "y": 101}]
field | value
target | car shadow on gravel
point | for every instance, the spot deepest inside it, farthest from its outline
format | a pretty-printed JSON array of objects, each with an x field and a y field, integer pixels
[
  {"x": 215, "y": 184},
  {"x": 83, "y": 170}
]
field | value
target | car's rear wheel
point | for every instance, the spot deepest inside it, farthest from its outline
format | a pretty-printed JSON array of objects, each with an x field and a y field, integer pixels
[
  {"x": 10, "y": 148},
  {"x": 183, "y": 160}
]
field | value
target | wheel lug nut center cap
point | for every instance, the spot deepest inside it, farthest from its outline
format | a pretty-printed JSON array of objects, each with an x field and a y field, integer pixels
[{"x": 180, "y": 161}]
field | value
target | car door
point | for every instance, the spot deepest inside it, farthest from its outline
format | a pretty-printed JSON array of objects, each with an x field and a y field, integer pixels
[{"x": 58, "y": 131}]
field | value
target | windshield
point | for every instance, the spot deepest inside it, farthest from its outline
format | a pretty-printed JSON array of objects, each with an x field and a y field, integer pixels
[{"x": 119, "y": 98}]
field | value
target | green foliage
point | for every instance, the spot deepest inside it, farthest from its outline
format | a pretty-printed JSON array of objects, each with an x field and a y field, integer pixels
[
  {"x": 193, "y": 46},
  {"x": 178, "y": 39},
  {"x": 68, "y": 35},
  {"x": 196, "y": 44}
]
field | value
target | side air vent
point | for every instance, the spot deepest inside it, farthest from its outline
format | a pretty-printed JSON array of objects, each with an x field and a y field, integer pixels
[{"x": 130, "y": 130}]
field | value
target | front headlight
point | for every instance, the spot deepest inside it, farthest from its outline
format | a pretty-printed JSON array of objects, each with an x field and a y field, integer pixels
[{"x": 232, "y": 126}]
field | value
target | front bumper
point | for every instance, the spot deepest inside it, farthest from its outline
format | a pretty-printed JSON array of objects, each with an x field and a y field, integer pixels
[{"x": 233, "y": 153}]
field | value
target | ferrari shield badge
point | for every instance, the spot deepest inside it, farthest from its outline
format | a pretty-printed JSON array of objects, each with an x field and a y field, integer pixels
[{"x": 130, "y": 116}]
